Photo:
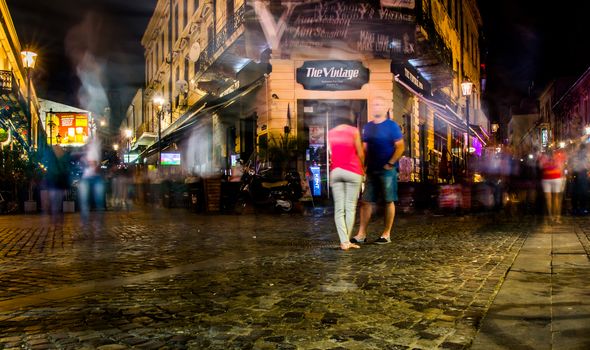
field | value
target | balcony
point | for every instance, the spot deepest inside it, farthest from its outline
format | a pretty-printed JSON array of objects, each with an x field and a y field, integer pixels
[
  {"x": 8, "y": 84},
  {"x": 222, "y": 56},
  {"x": 434, "y": 59},
  {"x": 13, "y": 106}
]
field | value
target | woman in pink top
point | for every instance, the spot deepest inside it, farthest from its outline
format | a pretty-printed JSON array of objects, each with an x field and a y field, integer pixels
[
  {"x": 552, "y": 166},
  {"x": 346, "y": 172}
]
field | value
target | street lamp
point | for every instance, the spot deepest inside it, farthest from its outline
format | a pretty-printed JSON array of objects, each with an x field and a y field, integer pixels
[
  {"x": 159, "y": 102},
  {"x": 51, "y": 125},
  {"x": 466, "y": 88},
  {"x": 29, "y": 59}
]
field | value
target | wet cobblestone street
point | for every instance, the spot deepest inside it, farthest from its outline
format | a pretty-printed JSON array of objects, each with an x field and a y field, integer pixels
[{"x": 172, "y": 280}]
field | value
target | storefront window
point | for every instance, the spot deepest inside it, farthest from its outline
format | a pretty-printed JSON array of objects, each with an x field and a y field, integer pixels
[
  {"x": 315, "y": 118},
  {"x": 440, "y": 134}
]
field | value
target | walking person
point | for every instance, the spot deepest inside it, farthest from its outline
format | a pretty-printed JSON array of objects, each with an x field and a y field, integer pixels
[
  {"x": 57, "y": 179},
  {"x": 580, "y": 166},
  {"x": 383, "y": 144},
  {"x": 346, "y": 173},
  {"x": 552, "y": 164},
  {"x": 91, "y": 184}
]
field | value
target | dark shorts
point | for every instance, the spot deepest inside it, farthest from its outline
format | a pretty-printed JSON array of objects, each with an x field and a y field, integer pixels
[{"x": 382, "y": 183}]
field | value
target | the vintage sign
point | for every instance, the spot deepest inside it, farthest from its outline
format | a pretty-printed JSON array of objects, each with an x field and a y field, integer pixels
[
  {"x": 383, "y": 29},
  {"x": 412, "y": 77},
  {"x": 332, "y": 75}
]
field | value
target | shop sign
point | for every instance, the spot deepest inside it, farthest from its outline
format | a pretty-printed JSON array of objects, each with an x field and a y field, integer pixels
[
  {"x": 67, "y": 128},
  {"x": 383, "y": 28},
  {"x": 412, "y": 77},
  {"x": 332, "y": 75},
  {"x": 316, "y": 180}
]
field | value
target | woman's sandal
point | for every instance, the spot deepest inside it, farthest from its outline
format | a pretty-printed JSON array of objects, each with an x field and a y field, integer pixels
[{"x": 347, "y": 246}]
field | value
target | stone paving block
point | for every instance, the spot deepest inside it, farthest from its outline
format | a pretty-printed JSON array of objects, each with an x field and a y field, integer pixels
[
  {"x": 259, "y": 283},
  {"x": 567, "y": 244},
  {"x": 112, "y": 347}
]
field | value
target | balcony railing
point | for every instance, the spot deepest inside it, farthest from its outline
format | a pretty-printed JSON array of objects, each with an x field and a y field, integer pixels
[
  {"x": 231, "y": 26},
  {"x": 424, "y": 18},
  {"x": 8, "y": 83}
]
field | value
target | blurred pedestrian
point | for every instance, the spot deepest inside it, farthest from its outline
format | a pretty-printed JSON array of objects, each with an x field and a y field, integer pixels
[
  {"x": 120, "y": 183},
  {"x": 579, "y": 166},
  {"x": 91, "y": 184},
  {"x": 346, "y": 172},
  {"x": 57, "y": 179},
  {"x": 552, "y": 164},
  {"x": 384, "y": 145}
]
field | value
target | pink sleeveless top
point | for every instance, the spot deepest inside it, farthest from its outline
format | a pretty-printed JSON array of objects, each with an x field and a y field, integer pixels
[{"x": 343, "y": 152}]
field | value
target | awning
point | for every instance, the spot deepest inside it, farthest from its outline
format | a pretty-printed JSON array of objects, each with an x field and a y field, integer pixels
[
  {"x": 447, "y": 114},
  {"x": 146, "y": 138},
  {"x": 194, "y": 114},
  {"x": 214, "y": 105},
  {"x": 444, "y": 112}
]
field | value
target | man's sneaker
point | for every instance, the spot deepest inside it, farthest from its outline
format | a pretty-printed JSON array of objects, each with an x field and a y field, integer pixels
[
  {"x": 356, "y": 241},
  {"x": 383, "y": 240}
]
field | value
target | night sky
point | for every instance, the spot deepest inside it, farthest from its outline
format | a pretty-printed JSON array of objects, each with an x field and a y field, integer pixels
[
  {"x": 526, "y": 44},
  {"x": 65, "y": 32}
]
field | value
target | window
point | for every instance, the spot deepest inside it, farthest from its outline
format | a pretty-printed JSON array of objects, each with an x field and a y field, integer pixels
[
  {"x": 450, "y": 8},
  {"x": 184, "y": 13},
  {"x": 148, "y": 69},
  {"x": 177, "y": 23},
  {"x": 157, "y": 60},
  {"x": 162, "y": 47},
  {"x": 440, "y": 134},
  {"x": 195, "y": 5}
]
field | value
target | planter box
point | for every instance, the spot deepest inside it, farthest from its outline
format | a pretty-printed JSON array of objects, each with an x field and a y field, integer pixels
[
  {"x": 69, "y": 206},
  {"x": 30, "y": 206}
]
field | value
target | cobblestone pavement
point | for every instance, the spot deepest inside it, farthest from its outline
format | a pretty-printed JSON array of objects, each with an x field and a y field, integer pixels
[{"x": 173, "y": 280}]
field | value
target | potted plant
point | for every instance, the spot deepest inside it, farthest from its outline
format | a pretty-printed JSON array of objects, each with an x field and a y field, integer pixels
[{"x": 33, "y": 173}]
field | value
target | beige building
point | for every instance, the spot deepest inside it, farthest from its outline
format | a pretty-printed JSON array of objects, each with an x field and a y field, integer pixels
[
  {"x": 16, "y": 91},
  {"x": 238, "y": 76}
]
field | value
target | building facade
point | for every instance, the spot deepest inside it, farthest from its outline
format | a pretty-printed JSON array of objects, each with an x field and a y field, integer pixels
[
  {"x": 20, "y": 122},
  {"x": 572, "y": 112},
  {"x": 239, "y": 76}
]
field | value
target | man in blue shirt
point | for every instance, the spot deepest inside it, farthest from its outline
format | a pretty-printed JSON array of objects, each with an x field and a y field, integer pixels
[{"x": 384, "y": 146}]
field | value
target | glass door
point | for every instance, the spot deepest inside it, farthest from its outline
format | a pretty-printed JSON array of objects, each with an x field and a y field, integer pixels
[{"x": 314, "y": 120}]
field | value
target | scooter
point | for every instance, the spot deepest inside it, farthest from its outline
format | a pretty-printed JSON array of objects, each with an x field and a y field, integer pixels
[{"x": 260, "y": 189}]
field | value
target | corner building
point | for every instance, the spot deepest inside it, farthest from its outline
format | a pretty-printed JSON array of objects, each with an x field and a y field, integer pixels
[{"x": 262, "y": 72}]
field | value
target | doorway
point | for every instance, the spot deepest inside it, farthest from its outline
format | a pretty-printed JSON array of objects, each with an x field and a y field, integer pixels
[{"x": 315, "y": 118}]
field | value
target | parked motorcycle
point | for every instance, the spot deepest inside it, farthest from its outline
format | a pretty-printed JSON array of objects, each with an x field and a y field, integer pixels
[{"x": 262, "y": 190}]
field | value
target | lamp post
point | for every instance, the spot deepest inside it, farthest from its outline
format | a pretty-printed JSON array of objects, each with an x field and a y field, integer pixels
[
  {"x": 51, "y": 124},
  {"x": 29, "y": 59},
  {"x": 466, "y": 88},
  {"x": 159, "y": 102}
]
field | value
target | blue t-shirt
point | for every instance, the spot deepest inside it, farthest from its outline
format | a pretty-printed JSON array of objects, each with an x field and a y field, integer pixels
[{"x": 380, "y": 139}]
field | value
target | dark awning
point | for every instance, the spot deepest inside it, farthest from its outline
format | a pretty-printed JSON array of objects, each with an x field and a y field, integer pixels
[{"x": 195, "y": 115}]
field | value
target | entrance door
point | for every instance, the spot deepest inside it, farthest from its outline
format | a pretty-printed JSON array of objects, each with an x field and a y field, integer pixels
[{"x": 315, "y": 118}]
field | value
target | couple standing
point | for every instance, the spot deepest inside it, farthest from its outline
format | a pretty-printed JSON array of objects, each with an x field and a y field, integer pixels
[{"x": 377, "y": 151}]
